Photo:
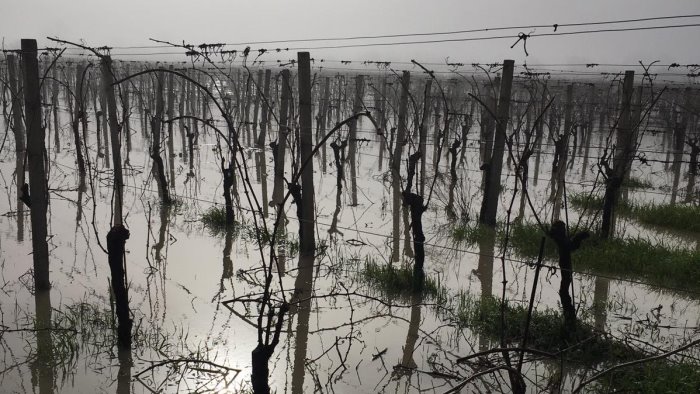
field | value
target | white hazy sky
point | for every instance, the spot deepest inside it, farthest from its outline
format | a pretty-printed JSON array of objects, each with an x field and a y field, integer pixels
[{"x": 129, "y": 22}]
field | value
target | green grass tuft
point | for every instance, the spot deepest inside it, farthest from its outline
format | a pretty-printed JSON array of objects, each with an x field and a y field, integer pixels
[
  {"x": 546, "y": 330},
  {"x": 638, "y": 258},
  {"x": 678, "y": 216},
  {"x": 469, "y": 234},
  {"x": 637, "y": 183},
  {"x": 398, "y": 282},
  {"x": 661, "y": 376},
  {"x": 215, "y": 218}
]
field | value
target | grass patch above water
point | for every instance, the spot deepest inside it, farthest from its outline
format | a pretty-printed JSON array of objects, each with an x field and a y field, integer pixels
[
  {"x": 215, "y": 219},
  {"x": 469, "y": 233},
  {"x": 678, "y": 216},
  {"x": 398, "y": 282},
  {"x": 659, "y": 264},
  {"x": 638, "y": 183},
  {"x": 661, "y": 376},
  {"x": 546, "y": 331},
  {"x": 587, "y": 348}
]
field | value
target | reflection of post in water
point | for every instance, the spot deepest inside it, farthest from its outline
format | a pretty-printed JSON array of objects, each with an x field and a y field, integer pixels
[
  {"x": 407, "y": 250},
  {"x": 79, "y": 213},
  {"x": 281, "y": 265},
  {"x": 301, "y": 304},
  {"x": 20, "y": 221},
  {"x": 42, "y": 366},
  {"x": 485, "y": 273},
  {"x": 124, "y": 374},
  {"x": 227, "y": 272},
  {"x": 228, "y": 264},
  {"x": 600, "y": 302},
  {"x": 409, "y": 348},
  {"x": 164, "y": 216}
]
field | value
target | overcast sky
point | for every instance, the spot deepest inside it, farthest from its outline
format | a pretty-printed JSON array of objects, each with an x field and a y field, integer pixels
[{"x": 130, "y": 23}]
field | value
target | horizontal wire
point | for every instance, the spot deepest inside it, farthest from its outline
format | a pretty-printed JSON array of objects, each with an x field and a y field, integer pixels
[
  {"x": 445, "y": 40},
  {"x": 480, "y": 30}
]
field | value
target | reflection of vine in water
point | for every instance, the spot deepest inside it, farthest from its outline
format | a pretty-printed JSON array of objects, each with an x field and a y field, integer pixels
[{"x": 339, "y": 160}]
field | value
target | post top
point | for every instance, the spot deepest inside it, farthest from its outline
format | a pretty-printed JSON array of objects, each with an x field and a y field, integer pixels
[{"x": 28, "y": 44}]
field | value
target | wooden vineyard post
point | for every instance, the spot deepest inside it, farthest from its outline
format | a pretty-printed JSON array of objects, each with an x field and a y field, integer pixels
[
  {"x": 54, "y": 108},
  {"x": 264, "y": 116},
  {"x": 171, "y": 141},
  {"x": 423, "y": 138},
  {"x": 322, "y": 119},
  {"x": 396, "y": 164},
  {"x": 77, "y": 116},
  {"x": 492, "y": 189},
  {"x": 118, "y": 234},
  {"x": 623, "y": 158},
  {"x": 680, "y": 130},
  {"x": 20, "y": 142},
  {"x": 561, "y": 156},
  {"x": 256, "y": 104},
  {"x": 279, "y": 148},
  {"x": 156, "y": 132},
  {"x": 437, "y": 141},
  {"x": 105, "y": 124},
  {"x": 352, "y": 136},
  {"x": 590, "y": 113},
  {"x": 379, "y": 107},
  {"x": 264, "y": 113},
  {"x": 488, "y": 127},
  {"x": 307, "y": 242},
  {"x": 36, "y": 164}
]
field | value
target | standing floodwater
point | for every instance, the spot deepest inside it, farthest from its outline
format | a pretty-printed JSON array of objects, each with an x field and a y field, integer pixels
[{"x": 231, "y": 225}]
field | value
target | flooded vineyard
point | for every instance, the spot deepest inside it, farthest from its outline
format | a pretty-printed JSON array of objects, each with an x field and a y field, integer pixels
[{"x": 228, "y": 226}]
